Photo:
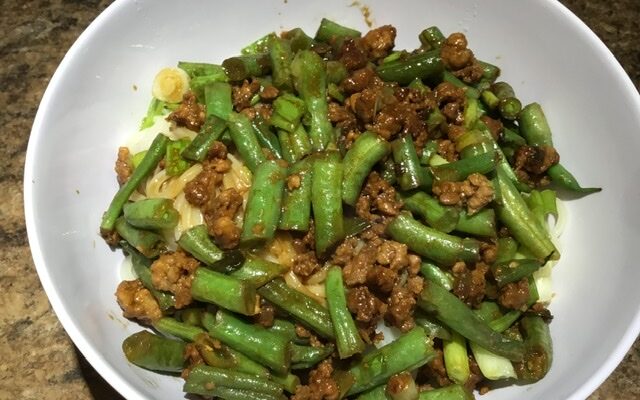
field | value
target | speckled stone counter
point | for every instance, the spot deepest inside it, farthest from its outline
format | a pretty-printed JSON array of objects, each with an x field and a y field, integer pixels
[{"x": 37, "y": 359}]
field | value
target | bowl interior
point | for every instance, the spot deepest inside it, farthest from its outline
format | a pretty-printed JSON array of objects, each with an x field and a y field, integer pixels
[{"x": 101, "y": 90}]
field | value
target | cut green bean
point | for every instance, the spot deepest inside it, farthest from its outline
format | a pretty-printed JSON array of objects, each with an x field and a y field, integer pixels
[
  {"x": 218, "y": 98},
  {"x": 149, "y": 243},
  {"x": 305, "y": 357},
  {"x": 432, "y": 327},
  {"x": 261, "y": 45},
  {"x": 247, "y": 66},
  {"x": 563, "y": 178},
  {"x": 298, "y": 38},
  {"x": 199, "y": 147},
  {"x": 330, "y": 31},
  {"x": 266, "y": 138},
  {"x": 410, "y": 351},
  {"x": 287, "y": 111},
  {"x": 455, "y": 314},
  {"x": 459, "y": 170},
  {"x": 154, "y": 352},
  {"x": 426, "y": 66},
  {"x": 141, "y": 265},
  {"x": 326, "y": 202},
  {"x": 431, "y": 37},
  {"x": 281, "y": 56},
  {"x": 366, "y": 151},
  {"x": 223, "y": 290},
  {"x": 254, "y": 341},
  {"x": 173, "y": 327},
  {"x": 436, "y": 275},
  {"x": 151, "y": 214},
  {"x": 156, "y": 108},
  {"x": 154, "y": 154},
  {"x": 430, "y": 210},
  {"x": 300, "y": 306},
  {"x": 296, "y": 204},
  {"x": 206, "y": 376},
  {"x": 411, "y": 174},
  {"x": 198, "y": 243},
  {"x": 514, "y": 270},
  {"x": 470, "y": 91},
  {"x": 256, "y": 271},
  {"x": 195, "y": 69},
  {"x": 348, "y": 338},
  {"x": 336, "y": 72},
  {"x": 538, "y": 349},
  {"x": 244, "y": 138},
  {"x": 300, "y": 143},
  {"x": 482, "y": 223},
  {"x": 451, "y": 392},
  {"x": 440, "y": 247},
  {"x": 262, "y": 212}
]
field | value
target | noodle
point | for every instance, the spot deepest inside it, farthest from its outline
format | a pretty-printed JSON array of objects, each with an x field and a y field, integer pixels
[
  {"x": 190, "y": 216},
  {"x": 164, "y": 186},
  {"x": 294, "y": 282}
]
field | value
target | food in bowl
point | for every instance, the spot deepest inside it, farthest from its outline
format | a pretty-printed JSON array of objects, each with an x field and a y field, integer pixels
[{"x": 280, "y": 208}]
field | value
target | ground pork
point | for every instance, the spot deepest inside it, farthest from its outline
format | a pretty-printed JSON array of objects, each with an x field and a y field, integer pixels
[
  {"x": 304, "y": 333},
  {"x": 124, "y": 166},
  {"x": 435, "y": 371},
  {"x": 459, "y": 59},
  {"x": 243, "y": 94},
  {"x": 321, "y": 385},
  {"x": 266, "y": 315},
  {"x": 515, "y": 295},
  {"x": 475, "y": 192},
  {"x": 535, "y": 160},
  {"x": 447, "y": 150},
  {"x": 201, "y": 189},
  {"x": 402, "y": 303},
  {"x": 495, "y": 126},
  {"x": 173, "y": 272},
  {"x": 137, "y": 302},
  {"x": 353, "y": 54},
  {"x": 380, "y": 41},
  {"x": 190, "y": 114},
  {"x": 269, "y": 93},
  {"x": 219, "y": 214},
  {"x": 359, "y": 80},
  {"x": 469, "y": 285},
  {"x": 377, "y": 199}
]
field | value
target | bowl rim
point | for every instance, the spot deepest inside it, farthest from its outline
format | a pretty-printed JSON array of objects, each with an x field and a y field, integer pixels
[{"x": 116, "y": 379}]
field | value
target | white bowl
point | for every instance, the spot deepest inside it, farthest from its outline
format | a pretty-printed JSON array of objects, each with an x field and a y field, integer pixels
[{"x": 549, "y": 56}]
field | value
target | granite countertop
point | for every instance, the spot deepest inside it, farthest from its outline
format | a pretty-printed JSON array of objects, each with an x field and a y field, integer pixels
[{"x": 37, "y": 358}]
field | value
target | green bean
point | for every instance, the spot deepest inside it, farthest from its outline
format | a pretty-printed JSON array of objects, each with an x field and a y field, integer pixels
[
  {"x": 348, "y": 338},
  {"x": 173, "y": 327},
  {"x": 288, "y": 382},
  {"x": 469, "y": 91},
  {"x": 195, "y": 69},
  {"x": 261, "y": 45},
  {"x": 285, "y": 144},
  {"x": 190, "y": 316},
  {"x": 199, "y": 147},
  {"x": 435, "y": 121},
  {"x": 514, "y": 270},
  {"x": 205, "y": 376},
  {"x": 300, "y": 306},
  {"x": 335, "y": 93},
  {"x": 156, "y": 108},
  {"x": 366, "y": 151},
  {"x": 507, "y": 248},
  {"x": 296, "y": 204},
  {"x": 154, "y": 352},
  {"x": 411, "y": 174},
  {"x": 305, "y": 357},
  {"x": 388, "y": 172},
  {"x": 287, "y": 111},
  {"x": 151, "y": 214},
  {"x": 436, "y": 275},
  {"x": 377, "y": 393},
  {"x": 563, "y": 178},
  {"x": 149, "y": 243},
  {"x": 451, "y": 392},
  {"x": 247, "y": 66},
  {"x": 503, "y": 90},
  {"x": 489, "y": 99},
  {"x": 198, "y": 243},
  {"x": 266, "y": 138},
  {"x": 254, "y": 341},
  {"x": 326, "y": 202},
  {"x": 509, "y": 108},
  {"x": 300, "y": 143},
  {"x": 538, "y": 349},
  {"x": 218, "y": 98},
  {"x": 439, "y": 247},
  {"x": 433, "y": 328},
  {"x": 244, "y": 138},
  {"x": 257, "y": 272},
  {"x": 336, "y": 72},
  {"x": 288, "y": 329},
  {"x": 490, "y": 72},
  {"x": 482, "y": 223},
  {"x": 431, "y": 37},
  {"x": 459, "y": 170},
  {"x": 141, "y": 265},
  {"x": 223, "y": 290},
  {"x": 281, "y": 56},
  {"x": 456, "y": 359},
  {"x": 154, "y": 154},
  {"x": 455, "y": 314},
  {"x": 513, "y": 212},
  {"x": 431, "y": 211},
  {"x": 298, "y": 38},
  {"x": 330, "y": 31},
  {"x": 262, "y": 212},
  {"x": 310, "y": 79},
  {"x": 511, "y": 138},
  {"x": 410, "y": 351},
  {"x": 426, "y": 65}
]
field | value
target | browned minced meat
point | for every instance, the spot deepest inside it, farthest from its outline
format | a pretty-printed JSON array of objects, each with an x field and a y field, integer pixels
[
  {"x": 435, "y": 371},
  {"x": 304, "y": 333},
  {"x": 353, "y": 54},
  {"x": 321, "y": 385},
  {"x": 447, "y": 150},
  {"x": 293, "y": 182},
  {"x": 365, "y": 305},
  {"x": 190, "y": 114},
  {"x": 476, "y": 192},
  {"x": 469, "y": 285},
  {"x": 402, "y": 303},
  {"x": 306, "y": 264},
  {"x": 377, "y": 198},
  {"x": 269, "y": 93},
  {"x": 515, "y": 295},
  {"x": 219, "y": 214},
  {"x": 173, "y": 272},
  {"x": 475, "y": 375},
  {"x": 540, "y": 310},
  {"x": 124, "y": 166},
  {"x": 242, "y": 94},
  {"x": 535, "y": 159},
  {"x": 495, "y": 126},
  {"x": 344, "y": 119},
  {"x": 380, "y": 41},
  {"x": 399, "y": 383},
  {"x": 459, "y": 59},
  {"x": 192, "y": 358},
  {"x": 451, "y": 100},
  {"x": 112, "y": 238},
  {"x": 198, "y": 191},
  {"x": 488, "y": 252},
  {"x": 266, "y": 315},
  {"x": 358, "y": 81},
  {"x": 137, "y": 301}
]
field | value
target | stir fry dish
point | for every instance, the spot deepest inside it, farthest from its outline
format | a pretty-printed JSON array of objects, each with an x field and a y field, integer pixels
[{"x": 329, "y": 218}]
